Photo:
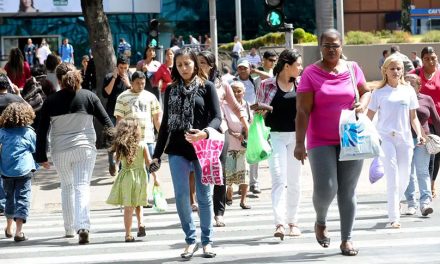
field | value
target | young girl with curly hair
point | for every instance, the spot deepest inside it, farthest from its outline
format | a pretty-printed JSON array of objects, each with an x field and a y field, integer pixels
[
  {"x": 130, "y": 187},
  {"x": 17, "y": 165}
]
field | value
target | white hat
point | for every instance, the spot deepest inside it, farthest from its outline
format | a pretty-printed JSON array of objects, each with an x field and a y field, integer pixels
[{"x": 244, "y": 63}]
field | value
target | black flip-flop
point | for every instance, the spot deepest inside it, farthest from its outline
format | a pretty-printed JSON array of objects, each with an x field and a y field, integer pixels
[
  {"x": 20, "y": 238},
  {"x": 324, "y": 241},
  {"x": 349, "y": 251}
]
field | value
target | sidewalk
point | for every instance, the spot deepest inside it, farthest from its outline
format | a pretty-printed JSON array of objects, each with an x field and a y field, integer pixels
[{"x": 46, "y": 193}]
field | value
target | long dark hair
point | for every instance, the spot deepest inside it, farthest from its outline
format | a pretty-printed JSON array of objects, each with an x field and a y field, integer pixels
[
  {"x": 288, "y": 56},
  {"x": 16, "y": 62},
  {"x": 22, "y": 8},
  {"x": 145, "y": 52},
  {"x": 210, "y": 59},
  {"x": 175, "y": 75}
]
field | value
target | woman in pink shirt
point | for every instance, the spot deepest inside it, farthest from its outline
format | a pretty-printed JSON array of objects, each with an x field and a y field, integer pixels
[
  {"x": 18, "y": 70},
  {"x": 429, "y": 75},
  {"x": 324, "y": 91}
]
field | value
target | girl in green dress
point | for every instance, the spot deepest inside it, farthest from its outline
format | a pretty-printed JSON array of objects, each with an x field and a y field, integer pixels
[{"x": 130, "y": 187}]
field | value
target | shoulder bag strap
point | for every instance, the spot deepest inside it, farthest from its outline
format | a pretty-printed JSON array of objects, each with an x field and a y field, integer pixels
[{"x": 353, "y": 80}]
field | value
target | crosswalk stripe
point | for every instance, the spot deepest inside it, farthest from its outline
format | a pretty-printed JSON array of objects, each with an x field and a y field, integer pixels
[{"x": 223, "y": 251}]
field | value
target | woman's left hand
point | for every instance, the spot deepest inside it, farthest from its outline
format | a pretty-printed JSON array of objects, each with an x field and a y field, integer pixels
[
  {"x": 358, "y": 107},
  {"x": 194, "y": 135}
]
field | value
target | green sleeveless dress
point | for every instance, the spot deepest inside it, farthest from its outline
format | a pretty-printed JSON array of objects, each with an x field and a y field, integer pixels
[{"x": 130, "y": 186}]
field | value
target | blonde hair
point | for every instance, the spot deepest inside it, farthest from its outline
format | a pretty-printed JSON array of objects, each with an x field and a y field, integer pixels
[
  {"x": 72, "y": 80},
  {"x": 126, "y": 139},
  {"x": 17, "y": 115},
  {"x": 390, "y": 59}
]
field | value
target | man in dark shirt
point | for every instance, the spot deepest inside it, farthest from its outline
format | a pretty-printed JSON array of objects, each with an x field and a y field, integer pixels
[
  {"x": 114, "y": 84},
  {"x": 5, "y": 99}
]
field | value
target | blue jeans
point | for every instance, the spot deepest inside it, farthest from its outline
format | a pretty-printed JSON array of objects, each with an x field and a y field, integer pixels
[
  {"x": 180, "y": 169},
  {"x": 18, "y": 197},
  {"x": 419, "y": 168},
  {"x": 2, "y": 196}
]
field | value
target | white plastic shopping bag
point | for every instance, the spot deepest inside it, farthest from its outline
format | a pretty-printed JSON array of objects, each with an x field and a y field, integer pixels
[{"x": 359, "y": 137}]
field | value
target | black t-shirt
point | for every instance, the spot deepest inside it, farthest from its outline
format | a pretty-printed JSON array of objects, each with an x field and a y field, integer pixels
[
  {"x": 118, "y": 88},
  {"x": 282, "y": 118},
  {"x": 8, "y": 98}
]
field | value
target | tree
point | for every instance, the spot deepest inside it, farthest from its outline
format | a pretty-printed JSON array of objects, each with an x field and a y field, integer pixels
[
  {"x": 324, "y": 16},
  {"x": 101, "y": 43},
  {"x": 100, "y": 39},
  {"x": 405, "y": 19}
]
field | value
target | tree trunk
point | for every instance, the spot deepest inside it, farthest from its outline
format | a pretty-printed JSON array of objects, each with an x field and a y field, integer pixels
[
  {"x": 324, "y": 16},
  {"x": 101, "y": 43}
]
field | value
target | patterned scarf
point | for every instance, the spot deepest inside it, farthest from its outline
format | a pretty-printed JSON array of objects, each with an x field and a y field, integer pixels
[{"x": 181, "y": 105}]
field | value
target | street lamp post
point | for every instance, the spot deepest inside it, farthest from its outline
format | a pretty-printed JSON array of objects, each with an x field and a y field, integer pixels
[{"x": 213, "y": 29}]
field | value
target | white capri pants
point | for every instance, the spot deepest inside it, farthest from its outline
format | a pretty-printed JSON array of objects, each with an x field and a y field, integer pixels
[{"x": 75, "y": 168}]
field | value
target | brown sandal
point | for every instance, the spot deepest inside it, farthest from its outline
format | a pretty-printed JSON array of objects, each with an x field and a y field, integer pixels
[{"x": 129, "y": 238}]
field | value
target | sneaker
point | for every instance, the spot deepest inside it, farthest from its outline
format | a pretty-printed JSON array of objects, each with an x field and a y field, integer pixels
[
  {"x": 255, "y": 189},
  {"x": 427, "y": 210},
  {"x": 410, "y": 211},
  {"x": 70, "y": 234},
  {"x": 83, "y": 235}
]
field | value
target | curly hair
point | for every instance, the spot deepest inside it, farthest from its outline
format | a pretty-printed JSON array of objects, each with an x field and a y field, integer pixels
[
  {"x": 17, "y": 115},
  {"x": 62, "y": 69},
  {"x": 72, "y": 80},
  {"x": 126, "y": 139}
]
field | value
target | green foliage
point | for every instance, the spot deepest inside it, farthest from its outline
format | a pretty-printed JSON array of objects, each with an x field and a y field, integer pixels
[
  {"x": 309, "y": 37},
  {"x": 298, "y": 35},
  {"x": 384, "y": 33},
  {"x": 274, "y": 38},
  {"x": 400, "y": 37},
  {"x": 431, "y": 36},
  {"x": 360, "y": 38}
]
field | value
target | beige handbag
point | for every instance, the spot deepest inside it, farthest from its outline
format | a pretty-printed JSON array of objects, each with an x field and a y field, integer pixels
[{"x": 432, "y": 144}]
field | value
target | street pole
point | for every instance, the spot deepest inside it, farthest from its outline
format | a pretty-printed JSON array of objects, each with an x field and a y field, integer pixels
[
  {"x": 238, "y": 19},
  {"x": 213, "y": 29},
  {"x": 288, "y": 32},
  {"x": 340, "y": 17}
]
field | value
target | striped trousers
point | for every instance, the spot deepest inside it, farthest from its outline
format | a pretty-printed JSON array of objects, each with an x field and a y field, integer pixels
[{"x": 75, "y": 168}]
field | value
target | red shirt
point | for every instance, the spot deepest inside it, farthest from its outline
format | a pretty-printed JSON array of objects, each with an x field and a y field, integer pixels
[
  {"x": 164, "y": 74},
  {"x": 430, "y": 87},
  {"x": 20, "y": 80}
]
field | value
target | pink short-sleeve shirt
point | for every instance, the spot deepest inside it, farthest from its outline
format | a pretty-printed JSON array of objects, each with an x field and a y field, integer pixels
[{"x": 332, "y": 94}]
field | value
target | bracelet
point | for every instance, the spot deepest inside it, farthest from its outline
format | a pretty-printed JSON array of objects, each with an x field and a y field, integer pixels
[{"x": 207, "y": 132}]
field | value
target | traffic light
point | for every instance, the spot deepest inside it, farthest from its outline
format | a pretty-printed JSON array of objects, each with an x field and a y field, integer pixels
[
  {"x": 153, "y": 35},
  {"x": 274, "y": 13}
]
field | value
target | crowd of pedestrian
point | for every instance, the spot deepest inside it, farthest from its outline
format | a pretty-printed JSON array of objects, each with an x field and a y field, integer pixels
[{"x": 171, "y": 107}]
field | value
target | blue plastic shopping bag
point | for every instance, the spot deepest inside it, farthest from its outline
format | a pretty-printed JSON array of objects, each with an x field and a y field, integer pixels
[{"x": 358, "y": 136}]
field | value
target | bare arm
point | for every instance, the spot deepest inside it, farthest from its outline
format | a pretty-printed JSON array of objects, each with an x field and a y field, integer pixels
[
  {"x": 364, "y": 100},
  {"x": 157, "y": 120},
  {"x": 371, "y": 114},
  {"x": 263, "y": 75},
  {"x": 304, "y": 105},
  {"x": 415, "y": 123}
]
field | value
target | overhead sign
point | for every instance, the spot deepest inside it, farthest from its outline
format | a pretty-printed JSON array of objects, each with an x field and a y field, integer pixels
[
  {"x": 424, "y": 12},
  {"x": 57, "y": 7}
]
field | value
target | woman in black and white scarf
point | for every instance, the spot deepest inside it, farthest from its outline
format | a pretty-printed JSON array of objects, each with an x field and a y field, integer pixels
[{"x": 190, "y": 106}]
